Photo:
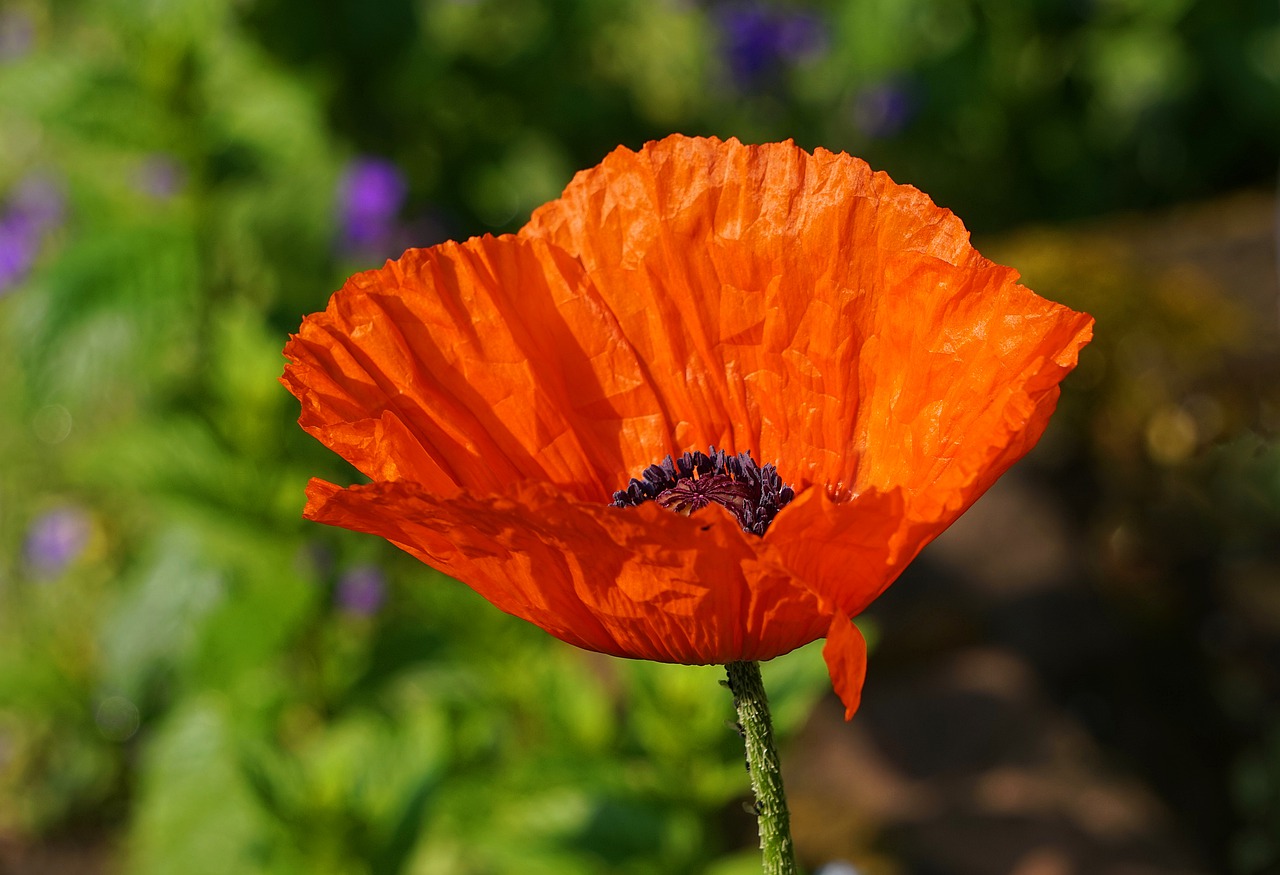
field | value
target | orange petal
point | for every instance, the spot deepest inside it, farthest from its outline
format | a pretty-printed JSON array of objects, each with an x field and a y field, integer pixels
[
  {"x": 641, "y": 582},
  {"x": 957, "y": 381},
  {"x": 847, "y": 552},
  {"x": 846, "y": 656},
  {"x": 473, "y": 365},
  {"x": 817, "y": 313}
]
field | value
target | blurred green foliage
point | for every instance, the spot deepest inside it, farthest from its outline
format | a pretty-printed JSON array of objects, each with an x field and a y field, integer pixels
[{"x": 180, "y": 668}]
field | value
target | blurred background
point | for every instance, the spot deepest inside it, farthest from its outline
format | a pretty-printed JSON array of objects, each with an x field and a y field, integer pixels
[{"x": 1082, "y": 676}]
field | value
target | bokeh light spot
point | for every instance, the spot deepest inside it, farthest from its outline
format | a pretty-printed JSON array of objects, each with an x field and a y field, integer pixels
[
  {"x": 52, "y": 424},
  {"x": 117, "y": 718}
]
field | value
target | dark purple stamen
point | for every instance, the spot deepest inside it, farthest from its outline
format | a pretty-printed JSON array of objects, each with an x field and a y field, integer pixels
[{"x": 753, "y": 494}]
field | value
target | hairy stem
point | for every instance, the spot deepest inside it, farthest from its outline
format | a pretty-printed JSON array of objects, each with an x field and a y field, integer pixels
[{"x": 763, "y": 764}]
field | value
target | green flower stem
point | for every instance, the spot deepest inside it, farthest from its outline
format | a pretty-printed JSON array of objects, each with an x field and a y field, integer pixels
[{"x": 763, "y": 764}]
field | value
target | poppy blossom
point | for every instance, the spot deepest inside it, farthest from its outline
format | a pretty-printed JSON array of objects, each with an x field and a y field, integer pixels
[{"x": 703, "y": 408}]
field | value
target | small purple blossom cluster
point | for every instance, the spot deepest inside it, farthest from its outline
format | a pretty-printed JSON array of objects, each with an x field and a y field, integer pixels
[
  {"x": 17, "y": 35},
  {"x": 883, "y": 109},
  {"x": 361, "y": 590},
  {"x": 160, "y": 176},
  {"x": 371, "y": 194},
  {"x": 759, "y": 40},
  {"x": 34, "y": 208},
  {"x": 358, "y": 591},
  {"x": 55, "y": 539}
]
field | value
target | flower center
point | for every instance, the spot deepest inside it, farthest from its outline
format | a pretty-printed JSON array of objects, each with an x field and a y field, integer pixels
[{"x": 753, "y": 494}]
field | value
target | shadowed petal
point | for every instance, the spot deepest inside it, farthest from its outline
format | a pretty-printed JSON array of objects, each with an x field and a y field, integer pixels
[
  {"x": 474, "y": 365},
  {"x": 643, "y": 582},
  {"x": 846, "y": 552}
]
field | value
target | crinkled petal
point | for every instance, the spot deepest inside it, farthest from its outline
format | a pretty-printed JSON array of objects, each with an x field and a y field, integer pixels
[
  {"x": 819, "y": 314},
  {"x": 957, "y": 382},
  {"x": 469, "y": 366},
  {"x": 641, "y": 582}
]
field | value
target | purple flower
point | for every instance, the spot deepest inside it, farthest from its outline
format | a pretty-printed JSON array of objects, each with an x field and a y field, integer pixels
[
  {"x": 758, "y": 40},
  {"x": 39, "y": 200},
  {"x": 160, "y": 176},
  {"x": 883, "y": 109},
  {"x": 55, "y": 539},
  {"x": 361, "y": 590},
  {"x": 35, "y": 207},
  {"x": 17, "y": 34},
  {"x": 370, "y": 195},
  {"x": 17, "y": 250}
]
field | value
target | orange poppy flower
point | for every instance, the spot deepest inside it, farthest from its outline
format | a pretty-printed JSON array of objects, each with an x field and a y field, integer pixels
[{"x": 695, "y": 294}]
